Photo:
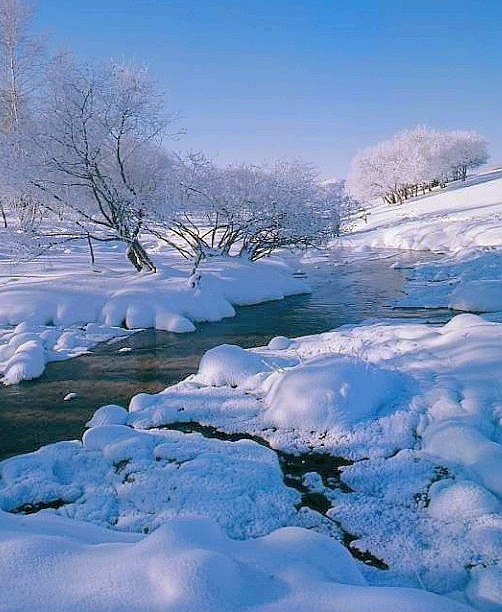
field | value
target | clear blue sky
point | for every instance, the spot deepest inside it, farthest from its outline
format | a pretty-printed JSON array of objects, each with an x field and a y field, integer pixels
[{"x": 318, "y": 79}]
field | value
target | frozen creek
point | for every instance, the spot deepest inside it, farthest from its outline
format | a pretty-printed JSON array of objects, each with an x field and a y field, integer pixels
[{"x": 347, "y": 289}]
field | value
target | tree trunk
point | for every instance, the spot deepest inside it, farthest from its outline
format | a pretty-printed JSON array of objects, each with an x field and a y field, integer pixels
[
  {"x": 4, "y": 217},
  {"x": 91, "y": 250},
  {"x": 139, "y": 258}
]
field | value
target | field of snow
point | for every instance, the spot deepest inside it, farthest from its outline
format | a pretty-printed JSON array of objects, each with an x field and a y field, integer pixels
[
  {"x": 188, "y": 565},
  {"x": 415, "y": 408},
  {"x": 358, "y": 469}
]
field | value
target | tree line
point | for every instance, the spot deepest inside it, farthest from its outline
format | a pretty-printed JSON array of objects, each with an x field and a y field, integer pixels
[
  {"x": 413, "y": 162},
  {"x": 86, "y": 154}
]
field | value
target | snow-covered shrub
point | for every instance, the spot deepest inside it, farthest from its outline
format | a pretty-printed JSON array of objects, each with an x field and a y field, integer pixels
[{"x": 248, "y": 210}]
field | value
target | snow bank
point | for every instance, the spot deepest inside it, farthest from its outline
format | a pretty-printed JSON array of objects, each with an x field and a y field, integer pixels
[
  {"x": 187, "y": 565},
  {"x": 465, "y": 223},
  {"x": 472, "y": 282},
  {"x": 165, "y": 299},
  {"x": 26, "y": 349},
  {"x": 65, "y": 314}
]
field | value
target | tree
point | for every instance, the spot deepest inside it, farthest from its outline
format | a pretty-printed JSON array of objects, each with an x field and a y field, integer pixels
[
  {"x": 466, "y": 151},
  {"x": 248, "y": 210},
  {"x": 21, "y": 60},
  {"x": 97, "y": 158}
]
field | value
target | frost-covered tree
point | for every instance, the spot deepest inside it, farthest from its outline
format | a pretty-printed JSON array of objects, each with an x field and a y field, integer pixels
[
  {"x": 21, "y": 65},
  {"x": 95, "y": 159},
  {"x": 21, "y": 60},
  {"x": 464, "y": 151},
  {"x": 414, "y": 161},
  {"x": 249, "y": 210}
]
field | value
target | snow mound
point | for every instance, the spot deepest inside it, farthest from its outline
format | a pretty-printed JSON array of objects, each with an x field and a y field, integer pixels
[
  {"x": 465, "y": 498},
  {"x": 187, "y": 565},
  {"x": 336, "y": 391},
  {"x": 279, "y": 343},
  {"x": 485, "y": 588},
  {"x": 27, "y": 362},
  {"x": 109, "y": 415},
  {"x": 462, "y": 322},
  {"x": 228, "y": 364}
]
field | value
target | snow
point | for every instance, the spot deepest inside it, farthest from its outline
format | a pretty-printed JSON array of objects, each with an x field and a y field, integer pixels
[
  {"x": 135, "y": 481},
  {"x": 27, "y": 348},
  {"x": 183, "y": 501},
  {"x": 464, "y": 496},
  {"x": 417, "y": 415},
  {"x": 231, "y": 365},
  {"x": 463, "y": 217},
  {"x": 279, "y": 343},
  {"x": 413, "y": 406},
  {"x": 187, "y": 565},
  {"x": 485, "y": 588},
  {"x": 331, "y": 392}
]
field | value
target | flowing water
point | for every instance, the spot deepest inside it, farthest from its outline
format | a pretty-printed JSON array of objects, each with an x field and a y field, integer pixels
[{"x": 345, "y": 291}]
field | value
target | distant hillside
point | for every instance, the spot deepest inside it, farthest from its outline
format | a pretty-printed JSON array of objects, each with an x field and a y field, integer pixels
[{"x": 463, "y": 216}]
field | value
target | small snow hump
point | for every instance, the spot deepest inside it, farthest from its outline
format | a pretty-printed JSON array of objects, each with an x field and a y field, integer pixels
[{"x": 279, "y": 343}]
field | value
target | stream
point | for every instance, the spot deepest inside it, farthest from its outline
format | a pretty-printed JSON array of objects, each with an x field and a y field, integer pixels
[{"x": 347, "y": 289}]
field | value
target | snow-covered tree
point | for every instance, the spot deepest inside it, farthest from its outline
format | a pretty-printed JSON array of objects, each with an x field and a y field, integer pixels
[
  {"x": 22, "y": 59},
  {"x": 94, "y": 159},
  {"x": 464, "y": 151}
]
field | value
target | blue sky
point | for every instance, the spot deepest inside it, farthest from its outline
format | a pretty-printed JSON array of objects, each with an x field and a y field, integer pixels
[{"x": 317, "y": 79}]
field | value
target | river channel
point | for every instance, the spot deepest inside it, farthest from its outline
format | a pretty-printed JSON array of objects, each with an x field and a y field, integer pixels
[{"x": 346, "y": 290}]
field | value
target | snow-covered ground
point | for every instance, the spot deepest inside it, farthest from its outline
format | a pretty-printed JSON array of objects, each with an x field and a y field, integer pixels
[
  {"x": 460, "y": 218},
  {"x": 59, "y": 307},
  {"x": 188, "y": 565},
  {"x": 382, "y": 440}
]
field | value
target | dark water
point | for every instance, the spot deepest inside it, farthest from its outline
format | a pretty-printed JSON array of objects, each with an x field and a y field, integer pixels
[{"x": 344, "y": 292}]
